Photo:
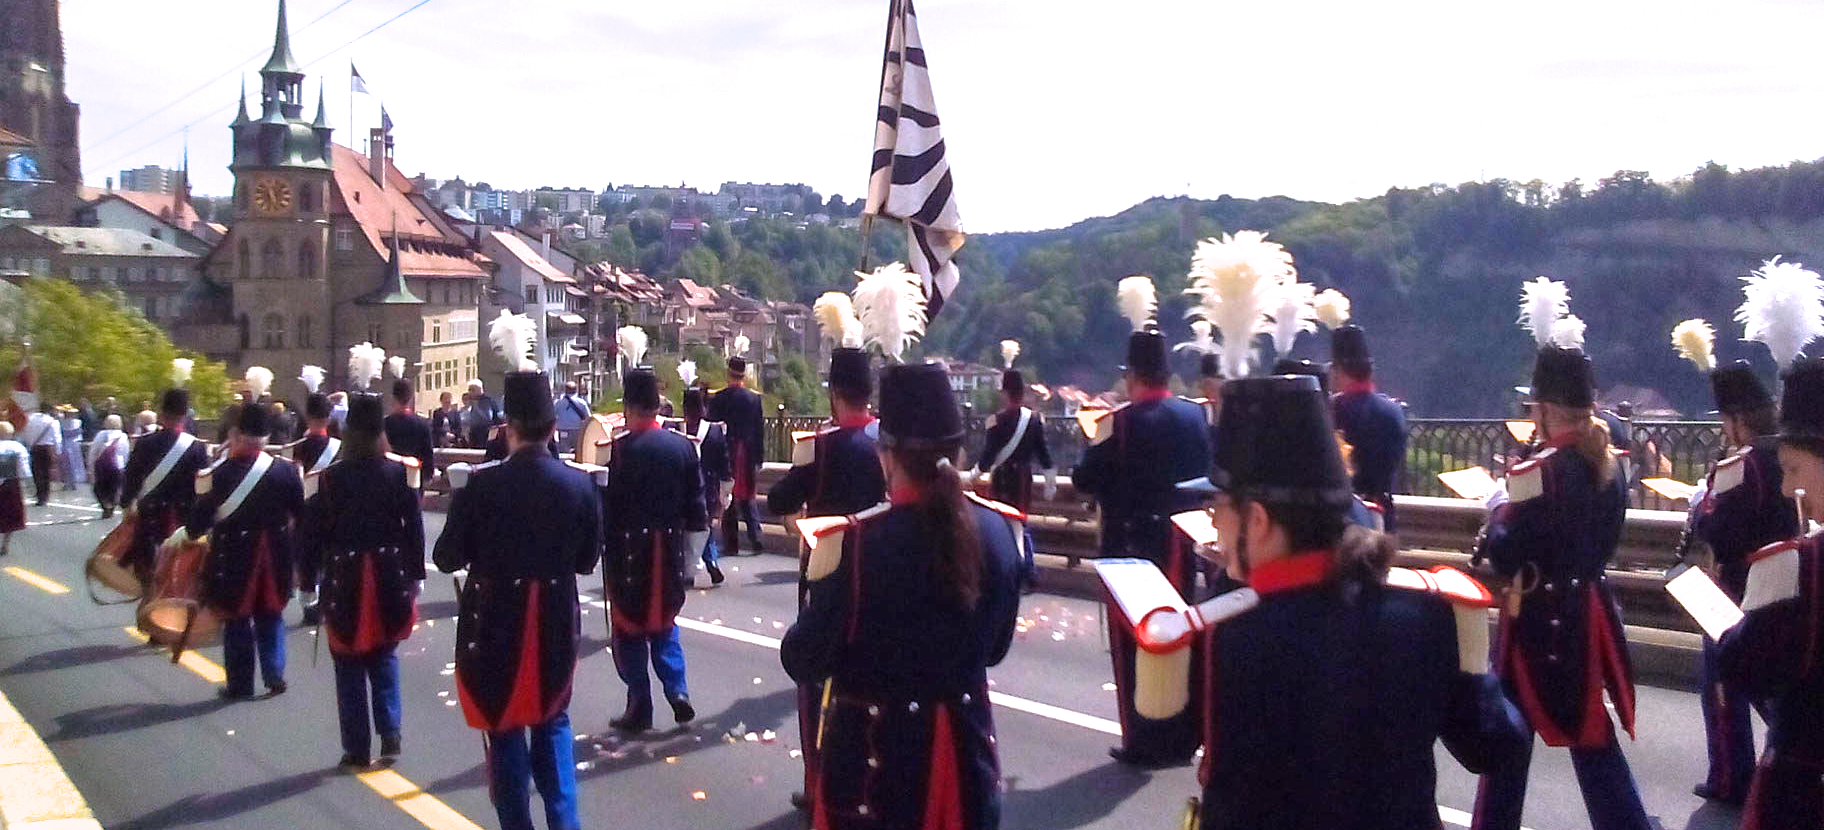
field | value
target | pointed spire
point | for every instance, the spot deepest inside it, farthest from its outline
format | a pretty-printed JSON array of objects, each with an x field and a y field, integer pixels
[
  {"x": 394, "y": 291},
  {"x": 242, "y": 118},
  {"x": 281, "y": 61},
  {"x": 322, "y": 122}
]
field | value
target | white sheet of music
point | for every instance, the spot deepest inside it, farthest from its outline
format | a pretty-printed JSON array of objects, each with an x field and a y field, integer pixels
[
  {"x": 1196, "y": 526},
  {"x": 1706, "y": 603},
  {"x": 1138, "y": 587}
]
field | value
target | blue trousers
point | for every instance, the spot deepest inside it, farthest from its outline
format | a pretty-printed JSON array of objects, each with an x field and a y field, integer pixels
[
  {"x": 241, "y": 639},
  {"x": 1728, "y": 731},
  {"x": 357, "y": 680},
  {"x": 1028, "y": 569},
  {"x": 712, "y": 553},
  {"x": 547, "y": 760},
  {"x": 1608, "y": 788},
  {"x": 667, "y": 655}
]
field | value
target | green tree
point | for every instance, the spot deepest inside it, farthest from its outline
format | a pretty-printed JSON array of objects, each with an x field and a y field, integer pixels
[{"x": 700, "y": 264}]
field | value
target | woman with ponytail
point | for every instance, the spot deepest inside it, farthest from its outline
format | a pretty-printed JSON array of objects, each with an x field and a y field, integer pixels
[
  {"x": 909, "y": 603},
  {"x": 1560, "y": 648}
]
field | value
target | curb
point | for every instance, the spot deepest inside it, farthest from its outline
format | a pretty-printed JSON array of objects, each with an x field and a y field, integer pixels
[{"x": 37, "y": 794}]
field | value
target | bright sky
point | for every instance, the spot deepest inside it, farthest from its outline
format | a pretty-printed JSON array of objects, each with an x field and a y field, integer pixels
[{"x": 1053, "y": 111}]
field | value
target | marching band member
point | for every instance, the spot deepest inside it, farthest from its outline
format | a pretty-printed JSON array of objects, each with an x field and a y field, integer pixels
[
  {"x": 907, "y": 737},
  {"x": 655, "y": 522},
  {"x": 313, "y": 453},
  {"x": 738, "y": 409},
  {"x": 364, "y": 528},
  {"x": 407, "y": 432},
  {"x": 159, "y": 484},
  {"x": 1343, "y": 676},
  {"x": 1371, "y": 422},
  {"x": 712, "y": 461},
  {"x": 247, "y": 506},
  {"x": 1137, "y": 456},
  {"x": 835, "y": 472},
  {"x": 1742, "y": 510},
  {"x": 1775, "y": 652},
  {"x": 1561, "y": 639},
  {"x": 524, "y": 527},
  {"x": 1015, "y": 448},
  {"x": 1210, "y": 381}
]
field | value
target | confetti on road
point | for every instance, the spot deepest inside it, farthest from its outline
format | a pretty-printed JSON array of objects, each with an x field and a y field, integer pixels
[
  {"x": 671, "y": 759},
  {"x": 700, "y": 795},
  {"x": 1108, "y": 687}
]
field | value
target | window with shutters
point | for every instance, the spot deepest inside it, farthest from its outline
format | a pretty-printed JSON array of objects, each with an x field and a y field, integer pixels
[
  {"x": 345, "y": 239},
  {"x": 244, "y": 261},
  {"x": 273, "y": 331},
  {"x": 307, "y": 260},
  {"x": 304, "y": 334},
  {"x": 272, "y": 259}
]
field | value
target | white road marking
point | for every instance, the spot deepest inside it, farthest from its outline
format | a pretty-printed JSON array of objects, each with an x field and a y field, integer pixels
[{"x": 69, "y": 506}]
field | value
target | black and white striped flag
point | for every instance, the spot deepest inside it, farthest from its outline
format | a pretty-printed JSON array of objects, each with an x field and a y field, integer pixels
[{"x": 910, "y": 180}]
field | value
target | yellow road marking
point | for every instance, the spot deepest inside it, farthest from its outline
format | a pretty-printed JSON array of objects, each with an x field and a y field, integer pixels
[
  {"x": 417, "y": 803},
  {"x": 202, "y": 666},
  {"x": 407, "y": 796},
  {"x": 49, "y": 586}
]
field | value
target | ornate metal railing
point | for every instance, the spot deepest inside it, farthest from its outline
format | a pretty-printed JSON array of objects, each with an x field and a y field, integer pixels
[{"x": 1681, "y": 450}]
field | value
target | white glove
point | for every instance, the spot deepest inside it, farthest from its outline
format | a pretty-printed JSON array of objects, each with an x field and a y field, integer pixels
[
  {"x": 984, "y": 477},
  {"x": 307, "y": 599},
  {"x": 177, "y": 537},
  {"x": 1498, "y": 497},
  {"x": 1051, "y": 485}
]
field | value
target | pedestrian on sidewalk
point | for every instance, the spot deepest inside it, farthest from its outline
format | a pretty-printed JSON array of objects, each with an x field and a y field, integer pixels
[
  {"x": 43, "y": 437},
  {"x": 108, "y": 461},
  {"x": 71, "y": 464},
  {"x": 712, "y": 461},
  {"x": 572, "y": 415},
  {"x": 15, "y": 467},
  {"x": 364, "y": 529},
  {"x": 910, "y": 603},
  {"x": 524, "y": 527}
]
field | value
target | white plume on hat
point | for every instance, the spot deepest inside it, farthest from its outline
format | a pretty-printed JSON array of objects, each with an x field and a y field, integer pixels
[
  {"x": 512, "y": 336},
  {"x": 1543, "y": 302},
  {"x": 1010, "y": 350},
  {"x": 1695, "y": 341},
  {"x": 1138, "y": 301},
  {"x": 632, "y": 340},
  {"x": 312, "y": 376},
  {"x": 259, "y": 381},
  {"x": 1237, "y": 280},
  {"x": 364, "y": 362},
  {"x": 395, "y": 366},
  {"x": 1202, "y": 342},
  {"x": 835, "y": 314},
  {"x": 1783, "y": 307},
  {"x": 1332, "y": 308},
  {"x": 890, "y": 303},
  {"x": 739, "y": 347},
  {"x": 687, "y": 372},
  {"x": 181, "y": 369},
  {"x": 1567, "y": 333},
  {"x": 1294, "y": 313}
]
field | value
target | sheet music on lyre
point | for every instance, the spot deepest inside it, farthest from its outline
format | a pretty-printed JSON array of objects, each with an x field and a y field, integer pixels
[
  {"x": 1705, "y": 602},
  {"x": 1473, "y": 483}
]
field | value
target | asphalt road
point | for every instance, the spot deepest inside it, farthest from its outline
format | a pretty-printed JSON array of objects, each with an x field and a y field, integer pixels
[{"x": 150, "y": 746}]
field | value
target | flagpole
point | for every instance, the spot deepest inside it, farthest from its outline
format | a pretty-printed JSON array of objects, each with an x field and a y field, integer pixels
[{"x": 886, "y": 49}]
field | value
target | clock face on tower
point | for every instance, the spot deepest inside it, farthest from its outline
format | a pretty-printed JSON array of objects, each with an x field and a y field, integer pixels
[{"x": 271, "y": 195}]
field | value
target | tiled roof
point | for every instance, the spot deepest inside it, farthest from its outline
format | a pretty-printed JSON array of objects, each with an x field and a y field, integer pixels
[
  {"x": 524, "y": 253},
  {"x": 428, "y": 248},
  {"x": 107, "y": 242},
  {"x": 8, "y": 138},
  {"x": 168, "y": 207}
]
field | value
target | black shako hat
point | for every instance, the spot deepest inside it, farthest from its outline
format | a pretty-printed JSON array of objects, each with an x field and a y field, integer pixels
[
  {"x": 1276, "y": 444},
  {"x": 1802, "y": 400},
  {"x": 316, "y": 407},
  {"x": 1349, "y": 348},
  {"x": 254, "y": 419},
  {"x": 737, "y": 367},
  {"x": 1013, "y": 382},
  {"x": 1564, "y": 377},
  {"x": 1306, "y": 368},
  {"x": 528, "y": 398},
  {"x": 175, "y": 403},
  {"x": 640, "y": 387},
  {"x": 1146, "y": 353},
  {"x": 1738, "y": 389},
  {"x": 918, "y": 410},
  {"x": 850, "y": 374},
  {"x": 693, "y": 400},
  {"x": 365, "y": 413},
  {"x": 402, "y": 390},
  {"x": 1210, "y": 366}
]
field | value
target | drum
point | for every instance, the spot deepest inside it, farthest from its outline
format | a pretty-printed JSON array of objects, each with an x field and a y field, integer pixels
[
  {"x": 598, "y": 428},
  {"x": 104, "y": 568},
  {"x": 175, "y": 604}
]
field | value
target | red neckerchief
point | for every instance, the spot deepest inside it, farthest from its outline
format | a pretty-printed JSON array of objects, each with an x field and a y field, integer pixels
[
  {"x": 737, "y": 382},
  {"x": 1298, "y": 570},
  {"x": 855, "y": 421},
  {"x": 1358, "y": 387},
  {"x": 1152, "y": 393},
  {"x": 319, "y": 432},
  {"x": 905, "y": 492},
  {"x": 244, "y": 455},
  {"x": 642, "y": 428},
  {"x": 1562, "y": 440}
]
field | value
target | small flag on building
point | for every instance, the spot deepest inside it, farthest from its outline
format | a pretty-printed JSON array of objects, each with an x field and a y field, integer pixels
[
  {"x": 386, "y": 121},
  {"x": 356, "y": 83},
  {"x": 910, "y": 179}
]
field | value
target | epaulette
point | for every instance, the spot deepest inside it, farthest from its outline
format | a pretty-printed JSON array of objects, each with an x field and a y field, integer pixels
[
  {"x": 824, "y": 536},
  {"x": 311, "y": 482},
  {"x": 1773, "y": 575},
  {"x": 414, "y": 472},
  {"x": 1626, "y": 459},
  {"x": 1729, "y": 473},
  {"x": 206, "y": 477},
  {"x": 459, "y": 472},
  {"x": 1004, "y": 509},
  {"x": 804, "y": 447},
  {"x": 596, "y": 472},
  {"x": 1096, "y": 423},
  {"x": 604, "y": 449},
  {"x": 1467, "y": 597},
  {"x": 1527, "y": 479},
  {"x": 993, "y": 421}
]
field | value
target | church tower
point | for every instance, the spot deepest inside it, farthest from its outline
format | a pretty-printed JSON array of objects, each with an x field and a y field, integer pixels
[{"x": 277, "y": 250}]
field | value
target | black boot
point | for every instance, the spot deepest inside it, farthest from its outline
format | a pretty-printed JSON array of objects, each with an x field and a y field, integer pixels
[
  {"x": 682, "y": 711},
  {"x": 389, "y": 745},
  {"x": 637, "y": 718},
  {"x": 715, "y": 573}
]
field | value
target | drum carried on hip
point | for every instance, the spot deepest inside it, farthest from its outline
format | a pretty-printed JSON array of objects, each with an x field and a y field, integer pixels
[
  {"x": 596, "y": 429},
  {"x": 104, "y": 567},
  {"x": 173, "y": 614}
]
